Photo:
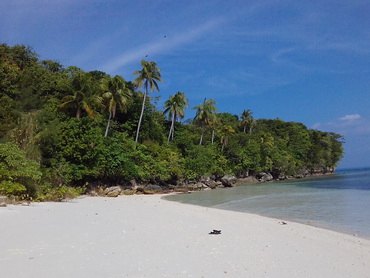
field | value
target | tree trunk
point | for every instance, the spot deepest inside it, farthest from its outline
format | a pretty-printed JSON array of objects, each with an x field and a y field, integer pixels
[
  {"x": 201, "y": 137},
  {"x": 224, "y": 140},
  {"x": 141, "y": 117},
  {"x": 78, "y": 113},
  {"x": 108, "y": 124},
  {"x": 171, "y": 128}
]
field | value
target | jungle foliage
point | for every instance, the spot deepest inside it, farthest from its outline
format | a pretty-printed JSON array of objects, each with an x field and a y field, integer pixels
[{"x": 62, "y": 128}]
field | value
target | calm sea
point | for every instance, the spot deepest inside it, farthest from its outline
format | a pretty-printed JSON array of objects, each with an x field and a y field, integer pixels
[{"x": 340, "y": 202}]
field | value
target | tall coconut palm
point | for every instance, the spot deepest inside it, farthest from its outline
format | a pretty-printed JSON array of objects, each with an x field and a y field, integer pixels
[
  {"x": 175, "y": 107},
  {"x": 205, "y": 115},
  {"x": 115, "y": 95},
  {"x": 225, "y": 131},
  {"x": 247, "y": 120},
  {"x": 81, "y": 99},
  {"x": 147, "y": 78},
  {"x": 215, "y": 123}
]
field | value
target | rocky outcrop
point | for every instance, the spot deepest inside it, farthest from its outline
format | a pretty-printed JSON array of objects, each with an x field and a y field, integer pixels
[
  {"x": 229, "y": 181},
  {"x": 113, "y": 191},
  {"x": 152, "y": 189},
  {"x": 3, "y": 201},
  {"x": 205, "y": 183},
  {"x": 263, "y": 177},
  {"x": 213, "y": 184},
  {"x": 247, "y": 180}
]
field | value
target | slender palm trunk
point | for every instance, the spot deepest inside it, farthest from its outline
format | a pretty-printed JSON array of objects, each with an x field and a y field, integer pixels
[
  {"x": 108, "y": 124},
  {"x": 245, "y": 127},
  {"x": 224, "y": 142},
  {"x": 141, "y": 117},
  {"x": 78, "y": 112},
  {"x": 213, "y": 135},
  {"x": 201, "y": 137},
  {"x": 171, "y": 129}
]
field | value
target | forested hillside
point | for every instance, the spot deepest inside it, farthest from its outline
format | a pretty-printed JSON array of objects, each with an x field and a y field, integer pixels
[{"x": 63, "y": 129}]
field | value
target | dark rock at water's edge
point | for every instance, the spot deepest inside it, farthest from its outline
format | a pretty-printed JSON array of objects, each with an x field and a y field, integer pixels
[
  {"x": 229, "y": 181},
  {"x": 263, "y": 177},
  {"x": 205, "y": 183}
]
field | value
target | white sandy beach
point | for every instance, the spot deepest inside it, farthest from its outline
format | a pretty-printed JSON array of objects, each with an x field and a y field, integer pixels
[{"x": 145, "y": 236}]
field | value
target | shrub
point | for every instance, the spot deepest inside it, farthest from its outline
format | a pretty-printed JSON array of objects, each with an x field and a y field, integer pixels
[
  {"x": 59, "y": 193},
  {"x": 19, "y": 176}
]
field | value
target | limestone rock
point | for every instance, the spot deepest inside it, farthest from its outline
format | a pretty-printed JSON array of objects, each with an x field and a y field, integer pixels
[
  {"x": 3, "y": 201},
  {"x": 212, "y": 184},
  {"x": 113, "y": 191},
  {"x": 247, "y": 180},
  {"x": 200, "y": 186},
  {"x": 229, "y": 181},
  {"x": 133, "y": 184},
  {"x": 265, "y": 177},
  {"x": 152, "y": 188}
]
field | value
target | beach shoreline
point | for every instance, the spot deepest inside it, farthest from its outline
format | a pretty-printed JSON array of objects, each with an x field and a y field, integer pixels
[{"x": 147, "y": 236}]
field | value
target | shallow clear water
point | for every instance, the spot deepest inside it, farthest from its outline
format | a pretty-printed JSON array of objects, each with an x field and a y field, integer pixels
[{"x": 340, "y": 202}]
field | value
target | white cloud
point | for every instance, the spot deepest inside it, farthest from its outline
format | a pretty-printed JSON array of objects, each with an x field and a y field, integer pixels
[
  {"x": 350, "y": 117},
  {"x": 351, "y": 124},
  {"x": 356, "y": 130},
  {"x": 159, "y": 46}
]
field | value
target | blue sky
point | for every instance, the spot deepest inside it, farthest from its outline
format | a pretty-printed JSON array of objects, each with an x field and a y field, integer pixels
[{"x": 303, "y": 61}]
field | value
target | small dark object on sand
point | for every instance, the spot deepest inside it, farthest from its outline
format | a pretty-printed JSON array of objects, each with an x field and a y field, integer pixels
[
  {"x": 215, "y": 232},
  {"x": 283, "y": 223}
]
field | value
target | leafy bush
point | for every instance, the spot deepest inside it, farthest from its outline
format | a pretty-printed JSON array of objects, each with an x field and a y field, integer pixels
[
  {"x": 19, "y": 176},
  {"x": 161, "y": 162},
  {"x": 59, "y": 193},
  {"x": 73, "y": 149},
  {"x": 116, "y": 159},
  {"x": 205, "y": 161}
]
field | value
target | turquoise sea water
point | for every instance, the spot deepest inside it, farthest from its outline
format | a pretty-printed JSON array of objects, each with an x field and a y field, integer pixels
[{"x": 340, "y": 202}]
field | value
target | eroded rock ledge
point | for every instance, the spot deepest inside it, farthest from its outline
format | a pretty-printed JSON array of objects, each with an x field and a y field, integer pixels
[{"x": 207, "y": 183}]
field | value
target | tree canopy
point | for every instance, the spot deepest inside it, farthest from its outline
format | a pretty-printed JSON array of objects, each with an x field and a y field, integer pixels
[{"x": 55, "y": 121}]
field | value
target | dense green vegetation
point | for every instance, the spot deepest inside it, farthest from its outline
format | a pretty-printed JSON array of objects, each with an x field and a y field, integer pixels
[{"x": 63, "y": 129}]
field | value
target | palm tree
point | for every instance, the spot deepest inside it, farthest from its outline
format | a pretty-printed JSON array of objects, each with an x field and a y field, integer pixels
[
  {"x": 116, "y": 94},
  {"x": 247, "y": 120},
  {"x": 80, "y": 99},
  {"x": 147, "y": 78},
  {"x": 205, "y": 115},
  {"x": 216, "y": 122},
  {"x": 175, "y": 107},
  {"x": 225, "y": 131}
]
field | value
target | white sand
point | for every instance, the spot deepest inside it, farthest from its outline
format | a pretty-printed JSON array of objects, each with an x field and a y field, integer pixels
[{"x": 145, "y": 236}]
